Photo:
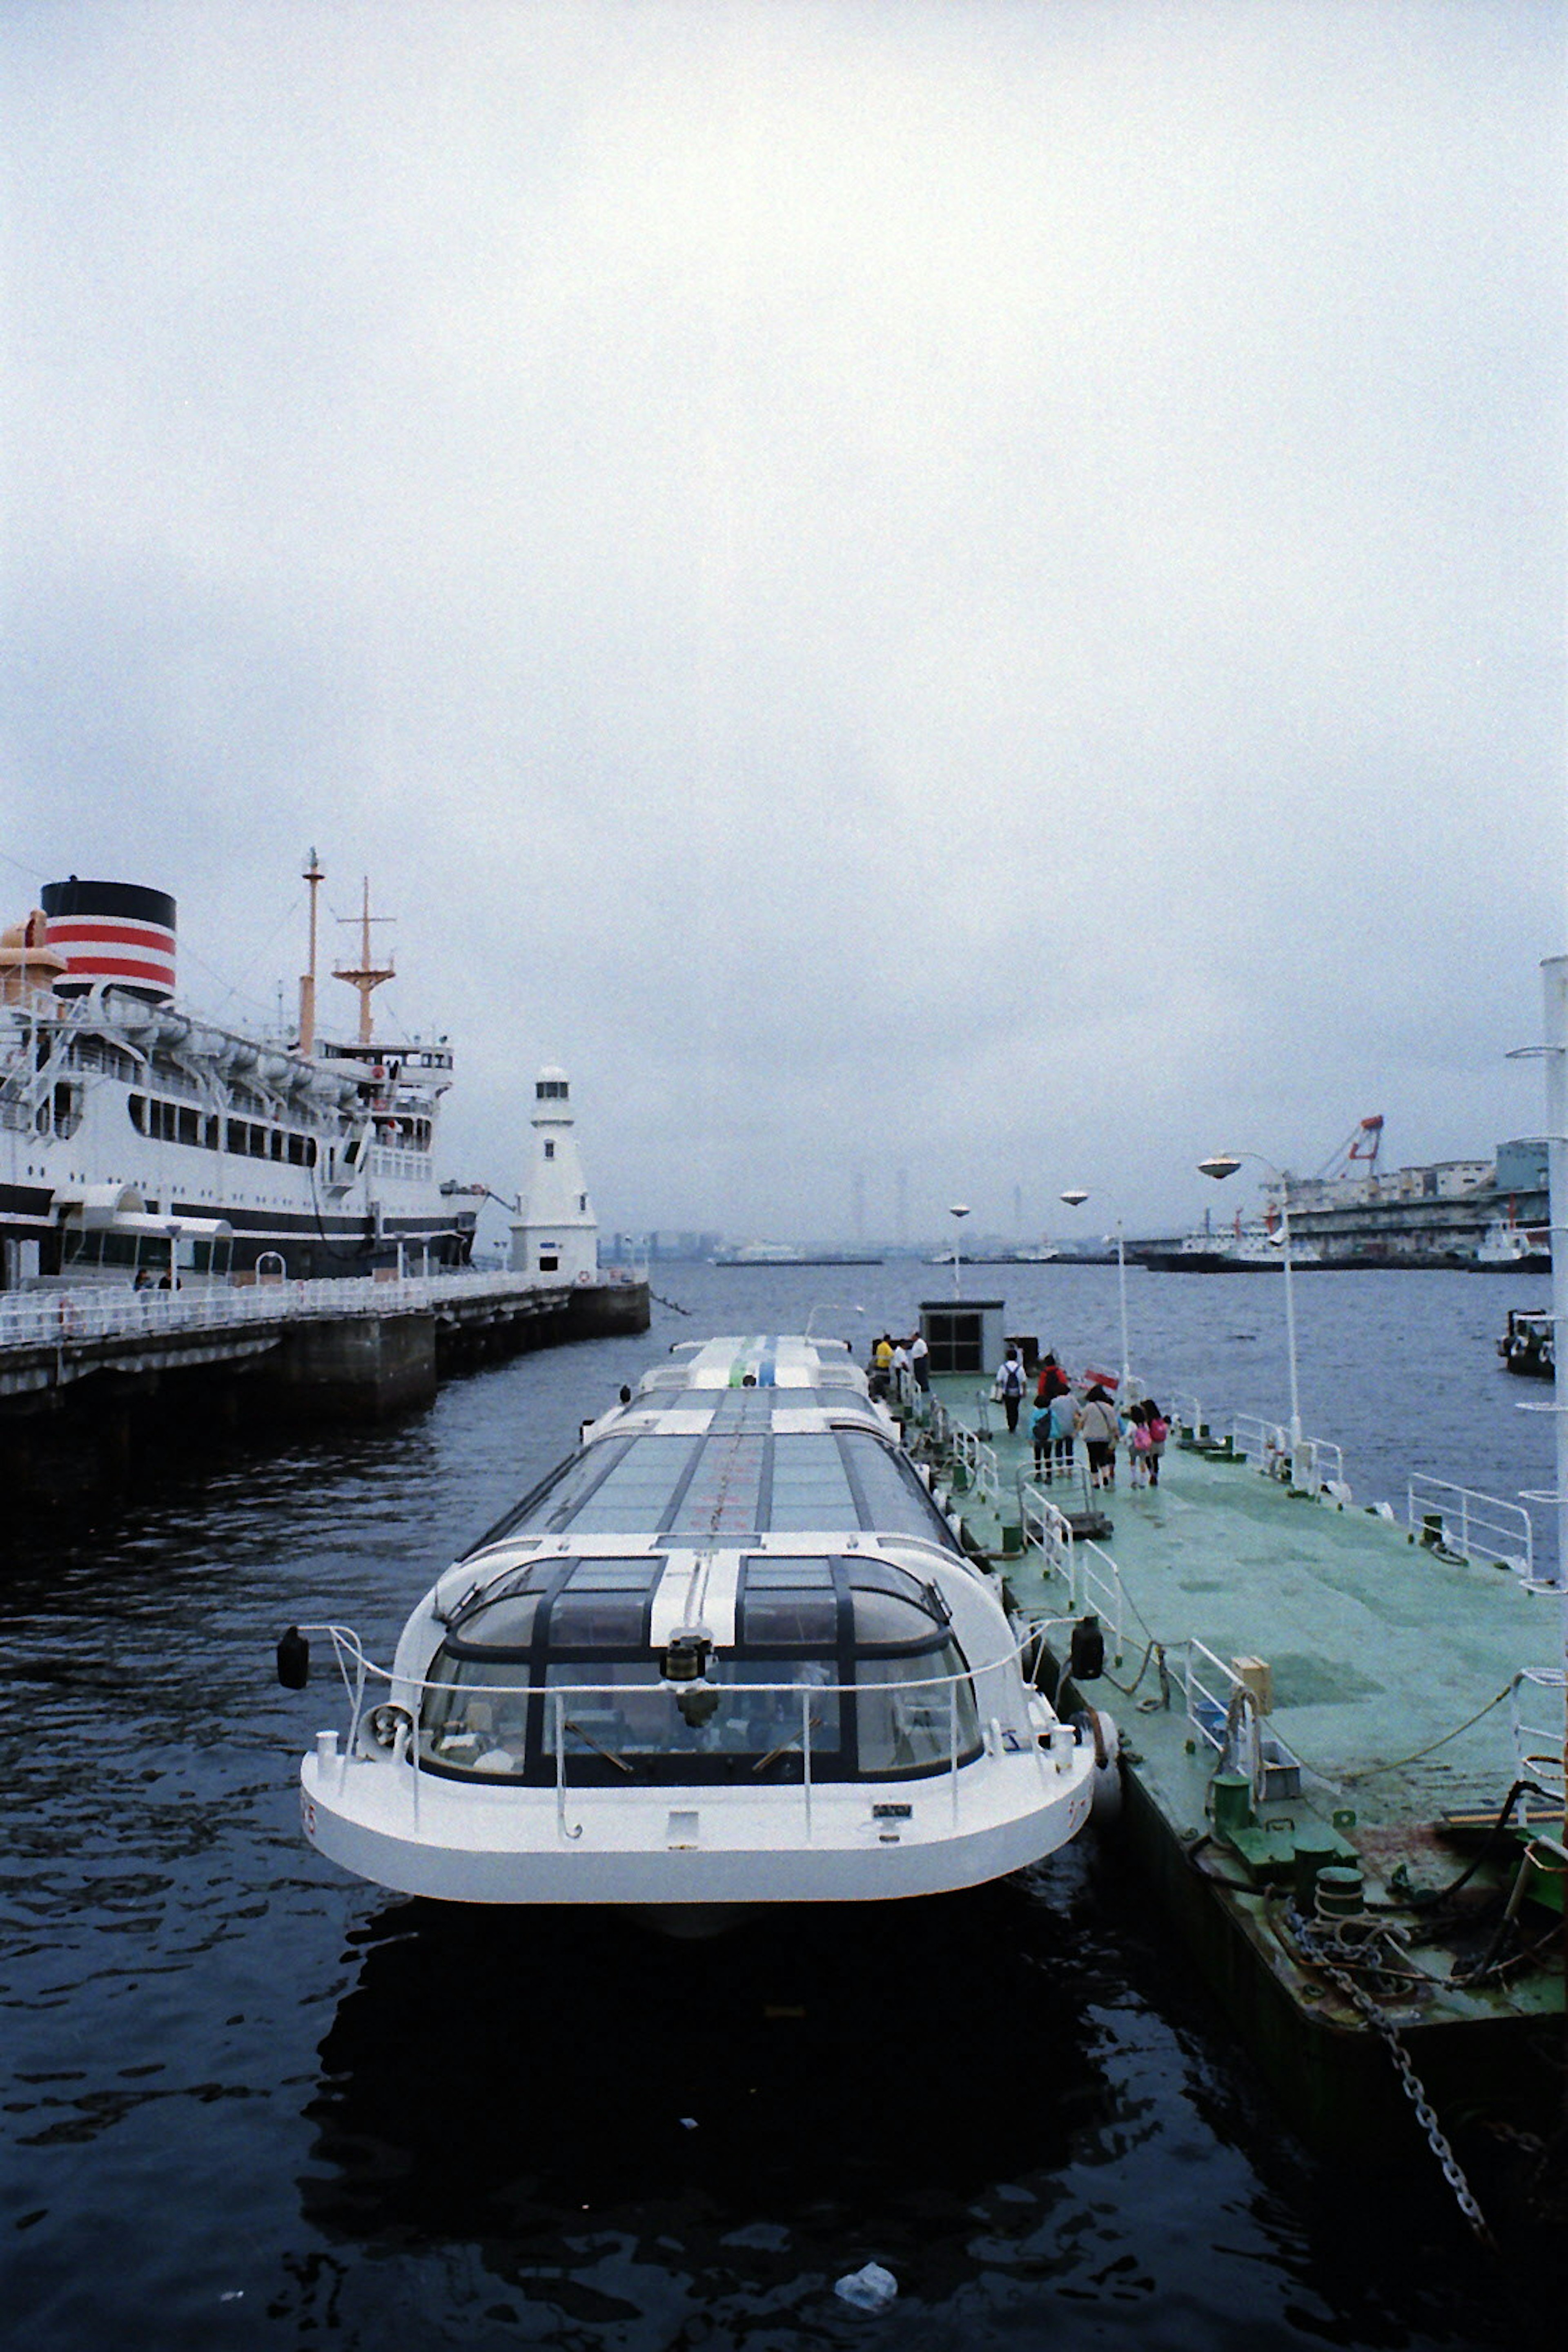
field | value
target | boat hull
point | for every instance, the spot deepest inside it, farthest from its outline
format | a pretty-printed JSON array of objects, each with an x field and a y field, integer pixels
[{"x": 516, "y": 1846}]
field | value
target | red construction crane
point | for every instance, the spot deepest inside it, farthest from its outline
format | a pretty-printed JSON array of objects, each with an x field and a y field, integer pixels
[{"x": 1361, "y": 1145}]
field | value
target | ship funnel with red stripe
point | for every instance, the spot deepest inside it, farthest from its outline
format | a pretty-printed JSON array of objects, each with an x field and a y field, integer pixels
[{"x": 115, "y": 932}]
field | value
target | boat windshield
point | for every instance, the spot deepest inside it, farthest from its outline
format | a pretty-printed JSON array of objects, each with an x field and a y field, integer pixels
[{"x": 555, "y": 1674}]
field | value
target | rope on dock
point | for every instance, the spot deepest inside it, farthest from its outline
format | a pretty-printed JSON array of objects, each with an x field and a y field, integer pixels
[{"x": 1371, "y": 1771}]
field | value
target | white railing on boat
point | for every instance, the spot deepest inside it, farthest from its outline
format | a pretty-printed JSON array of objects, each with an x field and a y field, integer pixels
[
  {"x": 102, "y": 1311},
  {"x": 1092, "y": 1579},
  {"x": 1473, "y": 1524},
  {"x": 361, "y": 1675}
]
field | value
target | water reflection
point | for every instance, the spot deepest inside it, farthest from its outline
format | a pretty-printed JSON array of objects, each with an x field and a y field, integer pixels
[{"x": 811, "y": 2078}]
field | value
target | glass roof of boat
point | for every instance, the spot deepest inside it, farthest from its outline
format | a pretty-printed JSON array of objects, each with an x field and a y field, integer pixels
[{"x": 740, "y": 1476}]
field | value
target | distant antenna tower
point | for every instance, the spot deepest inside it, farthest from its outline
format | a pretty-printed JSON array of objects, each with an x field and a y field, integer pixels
[
  {"x": 1017, "y": 1208},
  {"x": 903, "y": 1205},
  {"x": 364, "y": 975},
  {"x": 859, "y": 1212}
]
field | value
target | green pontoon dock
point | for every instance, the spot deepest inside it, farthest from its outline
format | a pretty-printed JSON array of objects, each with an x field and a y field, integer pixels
[{"x": 1340, "y": 1741}]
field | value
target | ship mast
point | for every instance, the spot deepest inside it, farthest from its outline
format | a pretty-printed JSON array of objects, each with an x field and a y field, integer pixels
[
  {"x": 364, "y": 976},
  {"x": 312, "y": 875}
]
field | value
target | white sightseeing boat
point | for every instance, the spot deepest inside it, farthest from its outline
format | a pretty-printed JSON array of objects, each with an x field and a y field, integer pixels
[{"x": 728, "y": 1653}]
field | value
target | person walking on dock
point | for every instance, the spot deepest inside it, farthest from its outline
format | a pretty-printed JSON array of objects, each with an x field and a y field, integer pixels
[
  {"x": 1040, "y": 1435},
  {"x": 1064, "y": 1421},
  {"x": 1138, "y": 1444},
  {"x": 1009, "y": 1388},
  {"x": 1159, "y": 1429},
  {"x": 1100, "y": 1429}
]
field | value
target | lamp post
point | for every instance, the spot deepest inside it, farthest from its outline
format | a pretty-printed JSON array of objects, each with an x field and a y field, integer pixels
[
  {"x": 1219, "y": 1165},
  {"x": 1074, "y": 1200},
  {"x": 959, "y": 1210}
]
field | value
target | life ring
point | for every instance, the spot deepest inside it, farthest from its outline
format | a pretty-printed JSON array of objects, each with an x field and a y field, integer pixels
[{"x": 584, "y": 1276}]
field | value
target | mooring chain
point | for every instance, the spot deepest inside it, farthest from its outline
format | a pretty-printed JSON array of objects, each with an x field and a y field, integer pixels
[{"x": 1410, "y": 2082}]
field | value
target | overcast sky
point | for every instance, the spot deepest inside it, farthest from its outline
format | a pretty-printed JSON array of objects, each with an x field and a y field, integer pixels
[{"x": 972, "y": 590}]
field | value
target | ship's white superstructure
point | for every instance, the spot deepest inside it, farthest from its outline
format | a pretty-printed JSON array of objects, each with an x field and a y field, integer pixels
[
  {"x": 730, "y": 1654},
  {"x": 136, "y": 1136}
]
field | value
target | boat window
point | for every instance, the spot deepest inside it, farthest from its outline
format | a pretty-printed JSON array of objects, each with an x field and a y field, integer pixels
[
  {"x": 789, "y": 1602},
  {"x": 628, "y": 1711},
  {"x": 810, "y": 1486},
  {"x": 475, "y": 1729},
  {"x": 891, "y": 1611},
  {"x": 603, "y": 1607},
  {"x": 910, "y": 1711}
]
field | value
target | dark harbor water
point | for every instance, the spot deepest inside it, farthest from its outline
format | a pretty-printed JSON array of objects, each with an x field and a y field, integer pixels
[{"x": 250, "y": 2102}]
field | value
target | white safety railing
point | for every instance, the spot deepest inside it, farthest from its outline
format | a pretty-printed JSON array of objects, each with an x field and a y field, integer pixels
[
  {"x": 1474, "y": 1525},
  {"x": 1092, "y": 1579},
  {"x": 102, "y": 1311},
  {"x": 977, "y": 1460},
  {"x": 965, "y": 1733},
  {"x": 1535, "y": 1720},
  {"x": 1187, "y": 1413},
  {"x": 1046, "y": 1526},
  {"x": 1210, "y": 1686},
  {"x": 1318, "y": 1463},
  {"x": 1224, "y": 1711}
]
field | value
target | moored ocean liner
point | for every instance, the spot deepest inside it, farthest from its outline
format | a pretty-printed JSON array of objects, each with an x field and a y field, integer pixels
[{"x": 138, "y": 1140}]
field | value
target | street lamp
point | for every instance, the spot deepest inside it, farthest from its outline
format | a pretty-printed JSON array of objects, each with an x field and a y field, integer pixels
[
  {"x": 1074, "y": 1200},
  {"x": 959, "y": 1210},
  {"x": 1219, "y": 1165}
]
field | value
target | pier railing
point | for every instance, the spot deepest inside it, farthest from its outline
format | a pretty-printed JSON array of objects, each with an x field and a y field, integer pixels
[
  {"x": 53, "y": 1317},
  {"x": 1092, "y": 1579},
  {"x": 1474, "y": 1525},
  {"x": 932, "y": 1707},
  {"x": 1224, "y": 1711},
  {"x": 1187, "y": 1413},
  {"x": 969, "y": 1452},
  {"x": 1535, "y": 1720},
  {"x": 1318, "y": 1463}
]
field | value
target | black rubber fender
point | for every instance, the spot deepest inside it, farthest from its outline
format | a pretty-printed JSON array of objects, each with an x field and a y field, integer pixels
[{"x": 1096, "y": 1730}]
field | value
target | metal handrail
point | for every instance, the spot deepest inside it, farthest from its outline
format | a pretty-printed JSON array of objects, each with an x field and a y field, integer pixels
[
  {"x": 408, "y": 1693},
  {"x": 1091, "y": 1576},
  {"x": 1538, "y": 1745},
  {"x": 1474, "y": 1525},
  {"x": 111, "y": 1311},
  {"x": 1318, "y": 1462},
  {"x": 979, "y": 1459}
]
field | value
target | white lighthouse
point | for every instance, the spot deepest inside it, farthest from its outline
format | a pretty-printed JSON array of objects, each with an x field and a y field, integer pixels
[{"x": 556, "y": 1235}]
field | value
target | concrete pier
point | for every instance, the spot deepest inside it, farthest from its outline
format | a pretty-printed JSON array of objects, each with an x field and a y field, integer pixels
[{"x": 93, "y": 1381}]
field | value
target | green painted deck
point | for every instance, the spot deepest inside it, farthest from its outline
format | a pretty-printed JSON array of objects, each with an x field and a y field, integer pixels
[{"x": 1391, "y": 1669}]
